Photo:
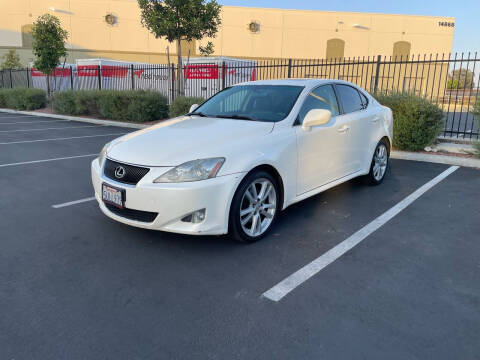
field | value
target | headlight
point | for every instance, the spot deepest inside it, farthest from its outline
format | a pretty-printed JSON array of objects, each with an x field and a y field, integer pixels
[
  {"x": 103, "y": 154},
  {"x": 192, "y": 171}
]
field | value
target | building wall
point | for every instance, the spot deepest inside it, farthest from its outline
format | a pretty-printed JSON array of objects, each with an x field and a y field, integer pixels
[{"x": 281, "y": 33}]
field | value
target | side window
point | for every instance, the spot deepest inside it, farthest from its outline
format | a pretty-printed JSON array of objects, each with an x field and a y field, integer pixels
[
  {"x": 364, "y": 100},
  {"x": 322, "y": 97},
  {"x": 350, "y": 98}
]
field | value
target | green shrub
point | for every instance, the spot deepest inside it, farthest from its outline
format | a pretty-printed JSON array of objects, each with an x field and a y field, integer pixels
[
  {"x": 476, "y": 144},
  {"x": 137, "y": 106},
  {"x": 114, "y": 104},
  {"x": 76, "y": 102},
  {"x": 181, "y": 105},
  {"x": 3, "y": 100},
  {"x": 86, "y": 102},
  {"x": 23, "y": 98},
  {"x": 63, "y": 102},
  {"x": 147, "y": 106},
  {"x": 417, "y": 121}
]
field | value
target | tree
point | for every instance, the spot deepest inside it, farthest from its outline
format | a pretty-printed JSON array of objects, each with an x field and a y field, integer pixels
[
  {"x": 460, "y": 79},
  {"x": 48, "y": 44},
  {"x": 206, "y": 50},
  {"x": 11, "y": 60},
  {"x": 178, "y": 20}
]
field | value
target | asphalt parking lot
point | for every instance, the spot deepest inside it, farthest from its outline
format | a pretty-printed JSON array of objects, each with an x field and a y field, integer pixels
[{"x": 76, "y": 285}]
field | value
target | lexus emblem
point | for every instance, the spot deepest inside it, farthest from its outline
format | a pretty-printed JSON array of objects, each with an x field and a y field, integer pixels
[{"x": 119, "y": 172}]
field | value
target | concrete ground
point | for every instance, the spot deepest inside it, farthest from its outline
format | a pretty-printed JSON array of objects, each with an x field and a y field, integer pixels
[{"x": 77, "y": 285}]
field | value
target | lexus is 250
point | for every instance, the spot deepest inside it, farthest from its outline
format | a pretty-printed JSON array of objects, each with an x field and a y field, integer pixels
[{"x": 234, "y": 162}]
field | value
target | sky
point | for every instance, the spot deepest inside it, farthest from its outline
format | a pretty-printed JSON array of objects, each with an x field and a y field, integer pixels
[{"x": 465, "y": 12}]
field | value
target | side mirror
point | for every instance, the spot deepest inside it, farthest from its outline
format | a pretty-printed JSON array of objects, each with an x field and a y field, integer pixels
[
  {"x": 316, "y": 117},
  {"x": 193, "y": 108}
]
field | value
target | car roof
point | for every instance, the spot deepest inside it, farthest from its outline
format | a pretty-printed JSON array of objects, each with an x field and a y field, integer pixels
[{"x": 307, "y": 83}]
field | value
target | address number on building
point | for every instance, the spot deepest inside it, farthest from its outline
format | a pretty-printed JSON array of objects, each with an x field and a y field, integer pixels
[{"x": 446, "y": 24}]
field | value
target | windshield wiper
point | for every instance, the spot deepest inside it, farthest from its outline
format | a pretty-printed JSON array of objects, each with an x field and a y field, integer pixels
[
  {"x": 239, "y": 117},
  {"x": 198, "y": 113}
]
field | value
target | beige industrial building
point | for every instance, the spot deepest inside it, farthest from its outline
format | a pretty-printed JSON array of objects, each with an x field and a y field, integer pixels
[{"x": 111, "y": 29}]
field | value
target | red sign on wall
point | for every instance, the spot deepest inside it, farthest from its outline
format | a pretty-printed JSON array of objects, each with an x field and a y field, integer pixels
[
  {"x": 114, "y": 71},
  {"x": 201, "y": 71},
  {"x": 59, "y": 72}
]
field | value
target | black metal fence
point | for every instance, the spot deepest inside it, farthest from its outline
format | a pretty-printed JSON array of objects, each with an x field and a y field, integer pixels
[{"x": 451, "y": 81}]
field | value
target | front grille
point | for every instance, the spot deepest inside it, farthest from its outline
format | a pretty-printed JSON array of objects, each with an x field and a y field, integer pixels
[
  {"x": 131, "y": 214},
  {"x": 132, "y": 175}
]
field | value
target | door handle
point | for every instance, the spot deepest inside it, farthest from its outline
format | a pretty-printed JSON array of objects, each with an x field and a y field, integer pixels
[
  {"x": 375, "y": 119},
  {"x": 343, "y": 129}
]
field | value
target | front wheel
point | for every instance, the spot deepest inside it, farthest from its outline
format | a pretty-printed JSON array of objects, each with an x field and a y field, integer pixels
[
  {"x": 379, "y": 165},
  {"x": 254, "y": 207}
]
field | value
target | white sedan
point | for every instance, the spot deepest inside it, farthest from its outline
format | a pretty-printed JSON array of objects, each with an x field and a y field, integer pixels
[{"x": 235, "y": 161}]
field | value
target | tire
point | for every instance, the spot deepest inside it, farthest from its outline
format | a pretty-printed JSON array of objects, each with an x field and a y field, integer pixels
[
  {"x": 380, "y": 163},
  {"x": 250, "y": 218}
]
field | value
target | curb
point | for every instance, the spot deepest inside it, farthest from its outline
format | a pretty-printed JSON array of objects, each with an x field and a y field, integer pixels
[
  {"x": 439, "y": 159},
  {"x": 77, "y": 118}
]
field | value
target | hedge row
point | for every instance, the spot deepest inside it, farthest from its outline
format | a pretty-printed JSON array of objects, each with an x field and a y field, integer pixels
[
  {"x": 417, "y": 121},
  {"x": 136, "y": 106},
  {"x": 23, "y": 98},
  {"x": 181, "y": 105}
]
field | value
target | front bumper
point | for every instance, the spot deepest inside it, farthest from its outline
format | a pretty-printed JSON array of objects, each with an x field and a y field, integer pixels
[{"x": 173, "y": 201}]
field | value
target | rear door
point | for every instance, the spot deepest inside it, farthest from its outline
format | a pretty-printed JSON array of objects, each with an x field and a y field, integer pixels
[{"x": 356, "y": 116}]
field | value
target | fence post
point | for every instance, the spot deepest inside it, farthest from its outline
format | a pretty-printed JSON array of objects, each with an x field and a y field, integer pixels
[
  {"x": 99, "y": 78},
  {"x": 28, "y": 79},
  {"x": 11, "y": 80},
  {"x": 173, "y": 82},
  {"x": 289, "y": 68},
  {"x": 377, "y": 74},
  {"x": 3, "y": 82},
  {"x": 71, "y": 78},
  {"x": 133, "y": 79},
  {"x": 223, "y": 74}
]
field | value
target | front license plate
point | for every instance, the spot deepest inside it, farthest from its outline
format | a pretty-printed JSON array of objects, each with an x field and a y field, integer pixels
[{"x": 112, "y": 195}]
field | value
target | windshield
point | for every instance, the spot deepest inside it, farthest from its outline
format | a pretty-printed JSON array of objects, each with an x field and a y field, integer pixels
[{"x": 268, "y": 103}]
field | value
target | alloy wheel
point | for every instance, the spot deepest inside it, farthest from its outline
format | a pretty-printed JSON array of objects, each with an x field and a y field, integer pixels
[
  {"x": 258, "y": 207},
  {"x": 380, "y": 161}
]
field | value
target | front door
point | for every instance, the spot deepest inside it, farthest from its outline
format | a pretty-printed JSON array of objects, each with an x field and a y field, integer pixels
[{"x": 319, "y": 151}]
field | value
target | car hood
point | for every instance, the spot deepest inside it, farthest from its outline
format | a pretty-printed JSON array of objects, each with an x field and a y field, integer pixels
[{"x": 186, "y": 138}]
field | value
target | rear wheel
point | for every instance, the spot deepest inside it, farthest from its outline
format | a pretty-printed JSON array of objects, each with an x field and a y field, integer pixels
[
  {"x": 254, "y": 207},
  {"x": 379, "y": 165}
]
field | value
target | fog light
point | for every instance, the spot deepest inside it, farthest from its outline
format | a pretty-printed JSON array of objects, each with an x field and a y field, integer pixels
[{"x": 195, "y": 217}]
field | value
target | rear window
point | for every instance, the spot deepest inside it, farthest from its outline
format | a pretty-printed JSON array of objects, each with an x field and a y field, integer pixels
[{"x": 350, "y": 98}]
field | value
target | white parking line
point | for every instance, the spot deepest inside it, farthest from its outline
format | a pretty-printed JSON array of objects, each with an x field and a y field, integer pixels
[
  {"x": 58, "y": 206},
  {"x": 30, "y": 122},
  {"x": 46, "y": 160},
  {"x": 60, "y": 128},
  {"x": 284, "y": 287},
  {"x": 58, "y": 139}
]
